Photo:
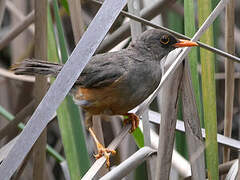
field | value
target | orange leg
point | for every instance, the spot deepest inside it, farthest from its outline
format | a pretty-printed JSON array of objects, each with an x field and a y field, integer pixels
[
  {"x": 102, "y": 151},
  {"x": 133, "y": 119}
]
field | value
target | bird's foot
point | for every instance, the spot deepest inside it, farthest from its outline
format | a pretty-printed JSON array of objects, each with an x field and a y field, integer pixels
[
  {"x": 133, "y": 119},
  {"x": 106, "y": 152}
]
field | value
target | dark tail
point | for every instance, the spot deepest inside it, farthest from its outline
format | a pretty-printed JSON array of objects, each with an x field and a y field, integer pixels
[{"x": 33, "y": 67}]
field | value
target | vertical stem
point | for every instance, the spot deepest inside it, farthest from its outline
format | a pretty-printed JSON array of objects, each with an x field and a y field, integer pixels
[
  {"x": 2, "y": 10},
  {"x": 76, "y": 19},
  {"x": 209, "y": 93},
  {"x": 238, "y": 174},
  {"x": 41, "y": 85},
  {"x": 238, "y": 100},
  {"x": 191, "y": 119},
  {"x": 169, "y": 98},
  {"x": 136, "y": 28},
  {"x": 229, "y": 72},
  {"x": 190, "y": 29}
]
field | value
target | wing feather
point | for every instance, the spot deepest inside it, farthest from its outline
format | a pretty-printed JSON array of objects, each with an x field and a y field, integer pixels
[{"x": 103, "y": 70}]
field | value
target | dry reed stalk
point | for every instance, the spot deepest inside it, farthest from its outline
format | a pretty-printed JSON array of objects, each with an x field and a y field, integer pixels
[
  {"x": 229, "y": 72},
  {"x": 2, "y": 9},
  {"x": 41, "y": 86},
  {"x": 76, "y": 19},
  {"x": 169, "y": 97},
  {"x": 191, "y": 119}
]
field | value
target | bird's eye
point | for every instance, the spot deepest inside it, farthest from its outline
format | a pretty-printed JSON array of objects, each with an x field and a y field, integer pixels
[{"x": 164, "y": 39}]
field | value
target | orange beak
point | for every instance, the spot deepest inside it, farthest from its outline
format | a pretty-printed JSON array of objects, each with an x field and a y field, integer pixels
[{"x": 184, "y": 43}]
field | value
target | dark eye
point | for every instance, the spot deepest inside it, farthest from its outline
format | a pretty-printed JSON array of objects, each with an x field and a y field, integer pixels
[{"x": 164, "y": 39}]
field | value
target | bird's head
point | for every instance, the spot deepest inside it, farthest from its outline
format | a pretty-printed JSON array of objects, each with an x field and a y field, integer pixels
[{"x": 160, "y": 42}]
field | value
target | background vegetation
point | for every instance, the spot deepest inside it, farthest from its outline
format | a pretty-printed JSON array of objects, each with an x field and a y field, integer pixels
[{"x": 214, "y": 81}]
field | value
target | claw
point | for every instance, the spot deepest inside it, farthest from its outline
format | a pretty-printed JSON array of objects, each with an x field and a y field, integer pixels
[
  {"x": 102, "y": 151},
  {"x": 133, "y": 119},
  {"x": 106, "y": 152}
]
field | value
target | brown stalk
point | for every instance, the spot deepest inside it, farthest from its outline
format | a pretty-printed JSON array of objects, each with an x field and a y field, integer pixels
[
  {"x": 40, "y": 52},
  {"x": 229, "y": 72},
  {"x": 76, "y": 19},
  {"x": 2, "y": 9}
]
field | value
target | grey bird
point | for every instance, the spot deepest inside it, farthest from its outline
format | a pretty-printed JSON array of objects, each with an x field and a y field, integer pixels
[{"x": 115, "y": 82}]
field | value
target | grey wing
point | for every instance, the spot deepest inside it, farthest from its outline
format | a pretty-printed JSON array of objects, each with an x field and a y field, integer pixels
[{"x": 102, "y": 71}]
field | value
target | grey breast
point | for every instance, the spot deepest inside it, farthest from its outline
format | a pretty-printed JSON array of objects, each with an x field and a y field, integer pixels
[{"x": 141, "y": 80}]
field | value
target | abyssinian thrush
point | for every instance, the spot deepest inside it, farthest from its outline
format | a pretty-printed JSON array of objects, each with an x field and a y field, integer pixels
[{"x": 115, "y": 82}]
